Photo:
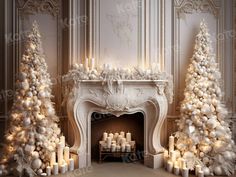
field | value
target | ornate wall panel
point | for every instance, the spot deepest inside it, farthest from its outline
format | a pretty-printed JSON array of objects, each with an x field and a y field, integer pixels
[{"x": 48, "y": 14}]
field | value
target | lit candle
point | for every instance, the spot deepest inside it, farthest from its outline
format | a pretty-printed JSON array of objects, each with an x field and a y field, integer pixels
[
  {"x": 171, "y": 143},
  {"x": 128, "y": 148},
  {"x": 66, "y": 154},
  {"x": 113, "y": 147},
  {"x": 197, "y": 169},
  {"x": 122, "y": 134},
  {"x": 104, "y": 136},
  {"x": 119, "y": 139},
  {"x": 172, "y": 156},
  {"x": 185, "y": 172},
  {"x": 60, "y": 153},
  {"x": 86, "y": 64},
  {"x": 55, "y": 168},
  {"x": 92, "y": 63},
  {"x": 63, "y": 168},
  {"x": 109, "y": 142},
  {"x": 123, "y": 148},
  {"x": 118, "y": 147},
  {"x": 116, "y": 136},
  {"x": 52, "y": 158},
  {"x": 123, "y": 140},
  {"x": 169, "y": 166},
  {"x": 128, "y": 137},
  {"x": 62, "y": 140},
  {"x": 166, "y": 156},
  {"x": 111, "y": 135},
  {"x": 48, "y": 171},
  {"x": 71, "y": 164},
  {"x": 200, "y": 173},
  {"x": 176, "y": 170}
]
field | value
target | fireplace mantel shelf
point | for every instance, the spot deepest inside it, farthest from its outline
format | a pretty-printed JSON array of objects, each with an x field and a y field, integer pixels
[{"x": 118, "y": 97}]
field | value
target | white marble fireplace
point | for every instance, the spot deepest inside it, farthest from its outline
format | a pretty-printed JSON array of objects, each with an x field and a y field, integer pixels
[{"x": 118, "y": 97}]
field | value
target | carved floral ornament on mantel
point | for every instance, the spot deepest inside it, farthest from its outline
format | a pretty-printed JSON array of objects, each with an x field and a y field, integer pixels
[{"x": 113, "y": 79}]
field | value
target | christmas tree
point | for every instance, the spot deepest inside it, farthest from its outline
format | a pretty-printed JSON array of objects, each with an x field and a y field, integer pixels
[
  {"x": 33, "y": 132},
  {"x": 204, "y": 136}
]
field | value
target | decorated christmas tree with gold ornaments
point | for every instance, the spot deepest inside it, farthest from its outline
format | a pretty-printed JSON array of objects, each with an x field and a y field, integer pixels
[
  {"x": 33, "y": 131},
  {"x": 204, "y": 137}
]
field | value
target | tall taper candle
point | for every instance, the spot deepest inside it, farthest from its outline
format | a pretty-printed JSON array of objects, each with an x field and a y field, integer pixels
[
  {"x": 52, "y": 158},
  {"x": 86, "y": 64},
  {"x": 55, "y": 168},
  {"x": 171, "y": 143},
  {"x": 92, "y": 63},
  {"x": 66, "y": 154},
  {"x": 63, "y": 141},
  {"x": 60, "y": 153}
]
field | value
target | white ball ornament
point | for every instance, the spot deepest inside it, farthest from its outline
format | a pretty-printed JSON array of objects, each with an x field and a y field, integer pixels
[
  {"x": 218, "y": 170},
  {"x": 26, "y": 121},
  {"x": 35, "y": 155},
  {"x": 206, "y": 171},
  {"x": 212, "y": 123}
]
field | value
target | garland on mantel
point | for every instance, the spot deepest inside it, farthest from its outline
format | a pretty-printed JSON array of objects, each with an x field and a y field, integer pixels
[{"x": 79, "y": 73}]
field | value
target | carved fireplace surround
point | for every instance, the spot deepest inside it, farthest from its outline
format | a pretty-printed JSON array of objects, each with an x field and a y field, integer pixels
[{"x": 118, "y": 97}]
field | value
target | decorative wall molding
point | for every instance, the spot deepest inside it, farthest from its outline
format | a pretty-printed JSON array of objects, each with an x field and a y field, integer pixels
[
  {"x": 193, "y": 6},
  {"x": 52, "y": 7},
  {"x": 186, "y": 7}
]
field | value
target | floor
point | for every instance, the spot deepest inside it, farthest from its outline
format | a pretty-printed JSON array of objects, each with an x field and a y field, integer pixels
[{"x": 116, "y": 169}]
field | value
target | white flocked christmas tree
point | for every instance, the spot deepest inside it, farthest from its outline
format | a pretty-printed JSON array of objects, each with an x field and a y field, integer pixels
[
  {"x": 204, "y": 136},
  {"x": 33, "y": 131}
]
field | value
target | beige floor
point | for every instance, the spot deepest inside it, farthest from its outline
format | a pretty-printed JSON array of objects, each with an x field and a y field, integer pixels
[{"x": 116, "y": 169}]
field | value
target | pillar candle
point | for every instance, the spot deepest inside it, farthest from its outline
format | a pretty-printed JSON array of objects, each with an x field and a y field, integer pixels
[
  {"x": 60, "y": 153},
  {"x": 52, "y": 158},
  {"x": 128, "y": 148},
  {"x": 63, "y": 141},
  {"x": 200, "y": 173},
  {"x": 63, "y": 168},
  {"x": 128, "y": 137},
  {"x": 123, "y": 140},
  {"x": 43, "y": 174},
  {"x": 165, "y": 158},
  {"x": 71, "y": 164},
  {"x": 113, "y": 147},
  {"x": 116, "y": 136},
  {"x": 92, "y": 63},
  {"x": 169, "y": 166},
  {"x": 104, "y": 136},
  {"x": 118, "y": 148},
  {"x": 48, "y": 171},
  {"x": 119, "y": 139},
  {"x": 122, "y": 134},
  {"x": 66, "y": 154},
  {"x": 185, "y": 172},
  {"x": 171, "y": 143},
  {"x": 173, "y": 156},
  {"x": 55, "y": 168},
  {"x": 111, "y": 135},
  {"x": 86, "y": 64},
  {"x": 109, "y": 142},
  {"x": 123, "y": 148},
  {"x": 176, "y": 170},
  {"x": 197, "y": 169}
]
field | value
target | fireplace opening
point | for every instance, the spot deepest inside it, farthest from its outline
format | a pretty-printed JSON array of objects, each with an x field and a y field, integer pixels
[{"x": 132, "y": 123}]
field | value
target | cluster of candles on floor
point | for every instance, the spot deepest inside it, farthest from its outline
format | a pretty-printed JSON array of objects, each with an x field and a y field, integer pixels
[
  {"x": 174, "y": 163},
  {"x": 64, "y": 163},
  {"x": 117, "y": 142}
]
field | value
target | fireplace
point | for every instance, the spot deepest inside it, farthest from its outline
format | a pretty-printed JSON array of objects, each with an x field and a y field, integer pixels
[
  {"x": 133, "y": 123},
  {"x": 118, "y": 97}
]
